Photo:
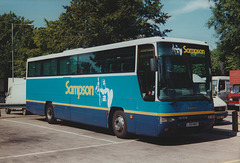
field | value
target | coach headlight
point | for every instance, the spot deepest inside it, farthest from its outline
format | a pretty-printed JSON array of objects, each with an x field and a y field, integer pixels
[{"x": 164, "y": 119}]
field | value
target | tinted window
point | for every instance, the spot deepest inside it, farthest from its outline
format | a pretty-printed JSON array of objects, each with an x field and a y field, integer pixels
[
  {"x": 34, "y": 69},
  {"x": 109, "y": 61},
  {"x": 68, "y": 65},
  {"x": 49, "y": 67},
  {"x": 89, "y": 64},
  {"x": 120, "y": 60}
]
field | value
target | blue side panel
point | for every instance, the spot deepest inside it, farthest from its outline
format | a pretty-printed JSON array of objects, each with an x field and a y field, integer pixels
[
  {"x": 36, "y": 108},
  {"x": 85, "y": 99},
  {"x": 89, "y": 100},
  {"x": 78, "y": 114},
  {"x": 96, "y": 117},
  {"x": 47, "y": 90},
  {"x": 62, "y": 112},
  {"x": 146, "y": 125},
  {"x": 130, "y": 123}
]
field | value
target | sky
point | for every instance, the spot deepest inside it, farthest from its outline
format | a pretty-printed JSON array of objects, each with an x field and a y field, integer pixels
[{"x": 188, "y": 17}]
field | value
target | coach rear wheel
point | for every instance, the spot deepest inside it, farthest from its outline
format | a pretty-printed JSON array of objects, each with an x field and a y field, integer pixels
[
  {"x": 50, "y": 114},
  {"x": 8, "y": 111},
  {"x": 119, "y": 124}
]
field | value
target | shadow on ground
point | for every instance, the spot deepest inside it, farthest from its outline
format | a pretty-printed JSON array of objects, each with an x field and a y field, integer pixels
[{"x": 178, "y": 139}]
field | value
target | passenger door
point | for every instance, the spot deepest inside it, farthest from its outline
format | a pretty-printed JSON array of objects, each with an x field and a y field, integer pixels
[{"x": 146, "y": 123}]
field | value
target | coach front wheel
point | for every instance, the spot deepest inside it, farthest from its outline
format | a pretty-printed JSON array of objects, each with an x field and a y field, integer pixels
[
  {"x": 50, "y": 114},
  {"x": 119, "y": 124}
]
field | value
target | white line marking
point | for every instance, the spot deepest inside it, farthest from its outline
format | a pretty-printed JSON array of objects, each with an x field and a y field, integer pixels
[
  {"x": 233, "y": 161},
  {"x": 67, "y": 132},
  {"x": 63, "y": 150}
]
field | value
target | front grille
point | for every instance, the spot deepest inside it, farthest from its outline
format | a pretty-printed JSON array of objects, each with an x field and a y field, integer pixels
[
  {"x": 192, "y": 118},
  {"x": 222, "y": 108}
]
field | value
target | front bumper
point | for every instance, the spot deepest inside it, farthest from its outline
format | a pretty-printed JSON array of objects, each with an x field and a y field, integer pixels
[
  {"x": 221, "y": 115},
  {"x": 191, "y": 125}
]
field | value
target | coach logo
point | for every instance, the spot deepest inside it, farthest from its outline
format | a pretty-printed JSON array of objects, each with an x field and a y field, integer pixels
[
  {"x": 105, "y": 94},
  {"x": 79, "y": 90}
]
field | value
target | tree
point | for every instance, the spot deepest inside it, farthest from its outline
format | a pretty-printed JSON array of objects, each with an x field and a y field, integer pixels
[
  {"x": 226, "y": 22},
  {"x": 50, "y": 39},
  {"x": 23, "y": 44},
  {"x": 217, "y": 65},
  {"x": 89, "y": 23}
]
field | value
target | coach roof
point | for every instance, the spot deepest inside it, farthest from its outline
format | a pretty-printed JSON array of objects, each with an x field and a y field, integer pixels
[{"x": 114, "y": 46}]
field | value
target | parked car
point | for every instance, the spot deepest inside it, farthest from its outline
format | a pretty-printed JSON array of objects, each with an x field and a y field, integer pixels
[{"x": 234, "y": 95}]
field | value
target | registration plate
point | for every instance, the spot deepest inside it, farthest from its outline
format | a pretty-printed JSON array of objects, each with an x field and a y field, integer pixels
[{"x": 192, "y": 124}]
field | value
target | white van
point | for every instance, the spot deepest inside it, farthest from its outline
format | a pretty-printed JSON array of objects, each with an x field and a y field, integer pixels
[
  {"x": 220, "y": 108},
  {"x": 221, "y": 87},
  {"x": 16, "y": 95}
]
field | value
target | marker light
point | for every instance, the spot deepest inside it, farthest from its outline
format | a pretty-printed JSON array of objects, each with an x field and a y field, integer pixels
[
  {"x": 183, "y": 118},
  {"x": 211, "y": 116},
  {"x": 131, "y": 116}
]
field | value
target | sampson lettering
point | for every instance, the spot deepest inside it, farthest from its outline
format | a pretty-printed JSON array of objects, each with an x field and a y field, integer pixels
[
  {"x": 194, "y": 51},
  {"x": 79, "y": 90}
]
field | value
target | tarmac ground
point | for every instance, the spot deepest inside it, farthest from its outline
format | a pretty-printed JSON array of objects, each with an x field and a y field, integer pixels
[{"x": 29, "y": 138}]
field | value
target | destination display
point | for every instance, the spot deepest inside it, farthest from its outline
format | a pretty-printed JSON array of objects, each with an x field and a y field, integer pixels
[{"x": 182, "y": 49}]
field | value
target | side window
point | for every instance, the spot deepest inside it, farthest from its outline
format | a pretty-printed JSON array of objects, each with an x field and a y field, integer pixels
[
  {"x": 89, "y": 64},
  {"x": 63, "y": 65},
  {"x": 120, "y": 60},
  {"x": 109, "y": 61},
  {"x": 73, "y": 65},
  {"x": 228, "y": 85},
  {"x": 68, "y": 65},
  {"x": 145, "y": 76},
  {"x": 113, "y": 61},
  {"x": 49, "y": 67},
  {"x": 34, "y": 69},
  {"x": 221, "y": 85}
]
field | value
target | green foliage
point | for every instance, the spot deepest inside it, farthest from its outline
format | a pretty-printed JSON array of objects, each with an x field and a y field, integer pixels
[
  {"x": 216, "y": 62},
  {"x": 85, "y": 23},
  {"x": 50, "y": 39},
  {"x": 97, "y": 22},
  {"x": 226, "y": 22},
  {"x": 23, "y": 43}
]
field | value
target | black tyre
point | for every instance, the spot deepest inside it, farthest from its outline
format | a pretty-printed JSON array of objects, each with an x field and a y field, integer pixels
[
  {"x": 25, "y": 111},
  {"x": 119, "y": 124},
  {"x": 8, "y": 111},
  {"x": 50, "y": 114}
]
